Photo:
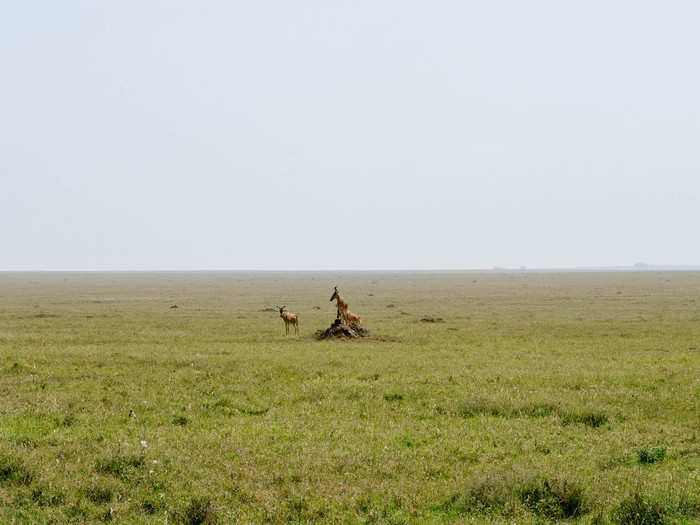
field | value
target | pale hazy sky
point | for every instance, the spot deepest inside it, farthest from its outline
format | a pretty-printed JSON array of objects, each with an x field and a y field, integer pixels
[{"x": 348, "y": 134}]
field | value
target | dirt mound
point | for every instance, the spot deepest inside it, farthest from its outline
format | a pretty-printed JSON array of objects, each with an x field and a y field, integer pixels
[{"x": 342, "y": 330}]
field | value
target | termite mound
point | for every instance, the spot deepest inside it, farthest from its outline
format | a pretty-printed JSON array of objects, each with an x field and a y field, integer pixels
[{"x": 342, "y": 330}]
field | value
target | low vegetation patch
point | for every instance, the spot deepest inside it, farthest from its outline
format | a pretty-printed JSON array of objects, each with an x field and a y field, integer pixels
[
  {"x": 199, "y": 511},
  {"x": 13, "y": 471},
  {"x": 480, "y": 406},
  {"x": 641, "y": 510},
  {"x": 393, "y": 397},
  {"x": 552, "y": 499},
  {"x": 487, "y": 494},
  {"x": 122, "y": 467},
  {"x": 659, "y": 509},
  {"x": 649, "y": 455},
  {"x": 592, "y": 418},
  {"x": 98, "y": 493},
  {"x": 45, "y": 495},
  {"x": 501, "y": 492}
]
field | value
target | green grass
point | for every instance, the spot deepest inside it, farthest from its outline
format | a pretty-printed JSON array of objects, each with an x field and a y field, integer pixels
[{"x": 535, "y": 399}]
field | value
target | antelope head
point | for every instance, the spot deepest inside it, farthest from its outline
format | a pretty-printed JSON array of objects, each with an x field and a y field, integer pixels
[{"x": 335, "y": 293}]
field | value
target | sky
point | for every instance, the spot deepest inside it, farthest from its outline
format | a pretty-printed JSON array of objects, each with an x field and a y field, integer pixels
[{"x": 143, "y": 135}]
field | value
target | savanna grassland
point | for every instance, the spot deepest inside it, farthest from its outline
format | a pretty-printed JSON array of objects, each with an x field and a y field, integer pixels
[{"x": 539, "y": 396}]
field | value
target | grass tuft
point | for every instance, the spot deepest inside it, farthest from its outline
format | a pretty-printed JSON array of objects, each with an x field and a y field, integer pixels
[
  {"x": 119, "y": 466},
  {"x": 649, "y": 455},
  {"x": 13, "y": 471},
  {"x": 179, "y": 420},
  {"x": 46, "y": 496},
  {"x": 552, "y": 499},
  {"x": 393, "y": 397},
  {"x": 98, "y": 493},
  {"x": 483, "y": 494},
  {"x": 199, "y": 511},
  {"x": 592, "y": 418},
  {"x": 640, "y": 510}
]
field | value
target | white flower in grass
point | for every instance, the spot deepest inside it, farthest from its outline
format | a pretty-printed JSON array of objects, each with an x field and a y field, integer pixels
[{"x": 143, "y": 443}]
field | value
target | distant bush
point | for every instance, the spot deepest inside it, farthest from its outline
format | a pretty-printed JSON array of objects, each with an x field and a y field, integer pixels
[{"x": 649, "y": 455}]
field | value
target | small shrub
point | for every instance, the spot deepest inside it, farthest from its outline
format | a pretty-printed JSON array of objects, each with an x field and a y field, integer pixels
[
  {"x": 14, "y": 471},
  {"x": 638, "y": 510},
  {"x": 199, "y": 511},
  {"x": 648, "y": 455},
  {"x": 552, "y": 499}
]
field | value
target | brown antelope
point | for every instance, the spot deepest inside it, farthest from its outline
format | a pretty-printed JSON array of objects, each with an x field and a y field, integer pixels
[
  {"x": 289, "y": 319},
  {"x": 341, "y": 303},
  {"x": 352, "y": 318}
]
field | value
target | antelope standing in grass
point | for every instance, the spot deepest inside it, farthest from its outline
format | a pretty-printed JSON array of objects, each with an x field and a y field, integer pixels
[
  {"x": 352, "y": 318},
  {"x": 341, "y": 303},
  {"x": 289, "y": 319}
]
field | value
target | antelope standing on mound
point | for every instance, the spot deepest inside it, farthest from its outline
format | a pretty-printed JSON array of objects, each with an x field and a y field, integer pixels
[
  {"x": 289, "y": 319},
  {"x": 341, "y": 303}
]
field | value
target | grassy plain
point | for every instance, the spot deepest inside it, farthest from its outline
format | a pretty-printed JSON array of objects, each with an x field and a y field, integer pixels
[{"x": 541, "y": 396}]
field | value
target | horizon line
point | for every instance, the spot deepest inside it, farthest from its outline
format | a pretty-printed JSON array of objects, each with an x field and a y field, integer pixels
[{"x": 495, "y": 269}]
